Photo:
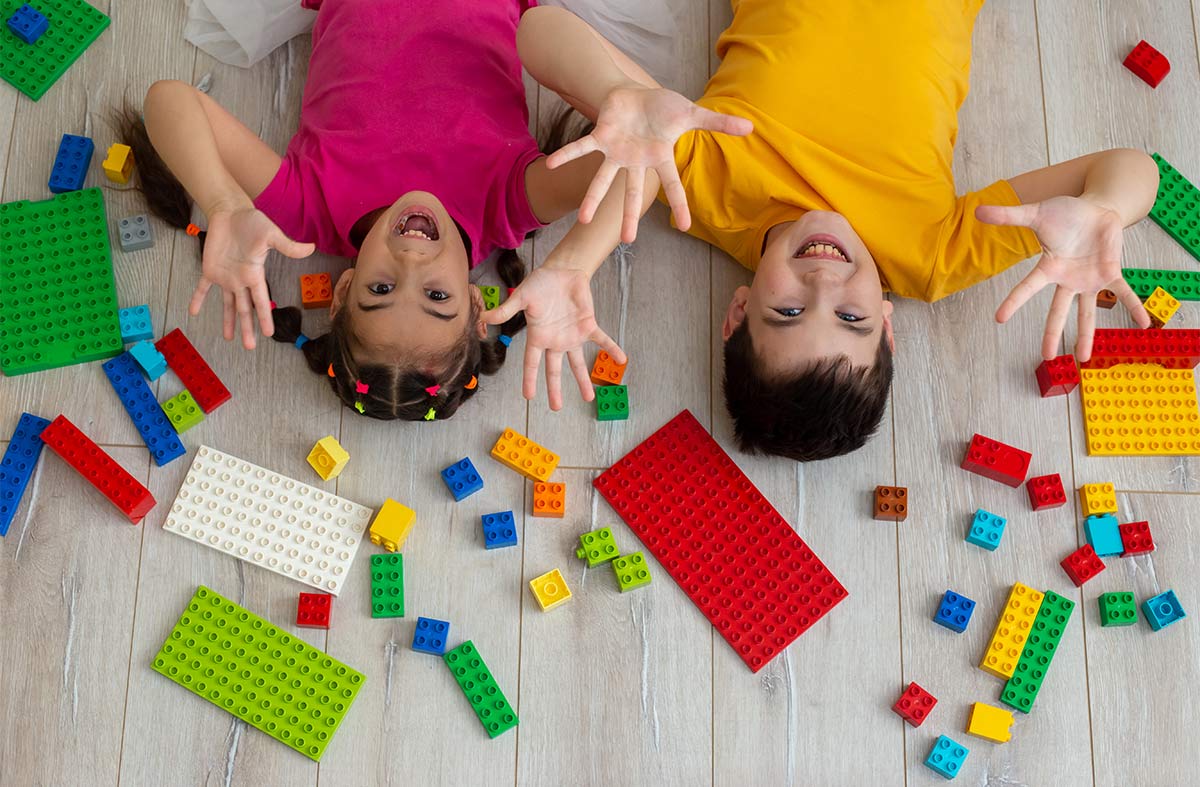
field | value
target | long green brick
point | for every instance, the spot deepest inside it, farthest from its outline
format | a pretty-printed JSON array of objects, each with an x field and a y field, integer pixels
[
  {"x": 1183, "y": 285},
  {"x": 480, "y": 689},
  {"x": 258, "y": 672},
  {"x": 33, "y": 68},
  {"x": 1023, "y": 687},
  {"x": 1177, "y": 208},
  {"x": 58, "y": 301}
]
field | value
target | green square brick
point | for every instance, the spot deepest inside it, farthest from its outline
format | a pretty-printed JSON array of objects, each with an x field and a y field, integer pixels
[
  {"x": 1041, "y": 645},
  {"x": 632, "y": 571},
  {"x": 491, "y": 296},
  {"x": 480, "y": 689},
  {"x": 258, "y": 672},
  {"x": 597, "y": 547},
  {"x": 387, "y": 585},
  {"x": 33, "y": 68},
  {"x": 1118, "y": 609},
  {"x": 58, "y": 301},
  {"x": 612, "y": 402},
  {"x": 1177, "y": 207},
  {"x": 182, "y": 411}
]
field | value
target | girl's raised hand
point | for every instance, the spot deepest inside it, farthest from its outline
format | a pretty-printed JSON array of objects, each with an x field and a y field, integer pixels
[
  {"x": 235, "y": 253},
  {"x": 636, "y": 129}
]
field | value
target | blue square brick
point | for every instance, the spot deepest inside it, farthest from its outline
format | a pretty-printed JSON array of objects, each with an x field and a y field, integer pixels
[
  {"x": 20, "y": 460},
  {"x": 1163, "y": 610},
  {"x": 946, "y": 757},
  {"x": 1104, "y": 534},
  {"x": 499, "y": 530},
  {"x": 986, "y": 530},
  {"x": 28, "y": 24},
  {"x": 461, "y": 479},
  {"x": 153, "y": 363},
  {"x": 135, "y": 324},
  {"x": 430, "y": 636},
  {"x": 954, "y": 612},
  {"x": 71, "y": 164}
]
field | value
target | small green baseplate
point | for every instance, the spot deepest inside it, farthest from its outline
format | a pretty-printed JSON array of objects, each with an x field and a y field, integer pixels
[
  {"x": 259, "y": 673},
  {"x": 1177, "y": 208},
  {"x": 475, "y": 679},
  {"x": 33, "y": 68},
  {"x": 1182, "y": 285},
  {"x": 58, "y": 301}
]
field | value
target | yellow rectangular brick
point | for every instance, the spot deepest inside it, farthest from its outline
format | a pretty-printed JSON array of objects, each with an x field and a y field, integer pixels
[
  {"x": 994, "y": 724},
  {"x": 519, "y": 453},
  {"x": 1096, "y": 499},
  {"x": 1012, "y": 629}
]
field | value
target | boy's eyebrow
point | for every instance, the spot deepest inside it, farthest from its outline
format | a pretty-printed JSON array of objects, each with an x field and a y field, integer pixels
[
  {"x": 374, "y": 307},
  {"x": 783, "y": 322},
  {"x": 859, "y": 329}
]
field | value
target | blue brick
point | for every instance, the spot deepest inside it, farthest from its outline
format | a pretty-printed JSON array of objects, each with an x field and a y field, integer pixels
[
  {"x": 986, "y": 530},
  {"x": 954, "y": 612},
  {"x": 71, "y": 164},
  {"x": 18, "y": 465},
  {"x": 946, "y": 757},
  {"x": 153, "y": 363},
  {"x": 499, "y": 530},
  {"x": 28, "y": 24},
  {"x": 1104, "y": 534},
  {"x": 1163, "y": 610},
  {"x": 461, "y": 479},
  {"x": 148, "y": 417},
  {"x": 135, "y": 324},
  {"x": 430, "y": 636}
]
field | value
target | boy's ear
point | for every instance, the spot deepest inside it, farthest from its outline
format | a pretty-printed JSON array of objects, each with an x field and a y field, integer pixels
[
  {"x": 888, "y": 308},
  {"x": 736, "y": 315},
  {"x": 479, "y": 307},
  {"x": 340, "y": 291}
]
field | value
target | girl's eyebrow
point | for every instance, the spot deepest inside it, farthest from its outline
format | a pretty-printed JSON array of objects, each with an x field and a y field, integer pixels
[{"x": 374, "y": 307}]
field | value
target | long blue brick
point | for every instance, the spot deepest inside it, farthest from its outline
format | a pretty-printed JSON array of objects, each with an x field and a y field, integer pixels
[
  {"x": 17, "y": 466},
  {"x": 148, "y": 417}
]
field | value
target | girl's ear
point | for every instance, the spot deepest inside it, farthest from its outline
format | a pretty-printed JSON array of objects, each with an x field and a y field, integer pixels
[
  {"x": 340, "y": 291},
  {"x": 478, "y": 307}
]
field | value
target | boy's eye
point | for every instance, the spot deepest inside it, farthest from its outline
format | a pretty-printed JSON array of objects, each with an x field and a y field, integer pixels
[
  {"x": 381, "y": 288},
  {"x": 796, "y": 312},
  {"x": 437, "y": 295},
  {"x": 849, "y": 317}
]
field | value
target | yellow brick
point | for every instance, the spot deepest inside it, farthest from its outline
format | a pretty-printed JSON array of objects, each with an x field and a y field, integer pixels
[
  {"x": 328, "y": 458},
  {"x": 392, "y": 525},
  {"x": 1097, "y": 499},
  {"x": 550, "y": 590},
  {"x": 1161, "y": 307},
  {"x": 525, "y": 456},
  {"x": 991, "y": 723},
  {"x": 119, "y": 164},
  {"x": 1140, "y": 409},
  {"x": 1012, "y": 629}
]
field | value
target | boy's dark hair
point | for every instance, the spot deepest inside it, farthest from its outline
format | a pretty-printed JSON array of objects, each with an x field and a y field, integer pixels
[{"x": 826, "y": 409}]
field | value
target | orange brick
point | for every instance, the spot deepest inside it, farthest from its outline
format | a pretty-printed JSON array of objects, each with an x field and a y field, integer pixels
[
  {"x": 316, "y": 291},
  {"x": 891, "y": 503},
  {"x": 549, "y": 499},
  {"x": 606, "y": 371}
]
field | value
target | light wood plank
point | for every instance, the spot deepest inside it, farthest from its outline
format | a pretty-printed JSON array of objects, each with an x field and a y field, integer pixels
[{"x": 8, "y": 115}]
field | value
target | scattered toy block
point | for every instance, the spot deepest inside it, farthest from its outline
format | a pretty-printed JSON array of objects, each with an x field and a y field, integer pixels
[
  {"x": 606, "y": 371},
  {"x": 72, "y": 26},
  {"x": 550, "y": 590},
  {"x": 517, "y": 452},
  {"x": 612, "y": 403},
  {"x": 1177, "y": 207},
  {"x": 1183, "y": 285},
  {"x": 462, "y": 480},
  {"x": 1008, "y": 639},
  {"x": 994, "y": 724},
  {"x": 101, "y": 470},
  {"x": 135, "y": 233},
  {"x": 1150, "y": 65},
  {"x": 1172, "y": 348},
  {"x": 954, "y": 612},
  {"x": 71, "y": 164},
  {"x": 392, "y": 525},
  {"x": 328, "y": 458},
  {"x": 1097, "y": 499},
  {"x": 997, "y": 461},
  {"x": 891, "y": 503},
  {"x": 316, "y": 291},
  {"x": 20, "y": 460},
  {"x": 1057, "y": 377},
  {"x": 1163, "y": 610},
  {"x": 1117, "y": 609},
  {"x": 118, "y": 163},
  {"x": 1140, "y": 410},
  {"x": 986, "y": 530},
  {"x": 1082, "y": 564},
  {"x": 1106, "y": 299},
  {"x": 387, "y": 585},
  {"x": 195, "y": 374},
  {"x": 914, "y": 705},
  {"x": 632, "y": 571},
  {"x": 152, "y": 363},
  {"x": 430, "y": 636},
  {"x": 1026, "y": 681},
  {"x": 480, "y": 689},
  {"x": 1136, "y": 538},
  {"x": 946, "y": 757},
  {"x": 183, "y": 411},
  {"x": 27, "y": 24},
  {"x": 1161, "y": 307},
  {"x": 135, "y": 324},
  {"x": 549, "y": 499},
  {"x": 255, "y": 670},
  {"x": 491, "y": 296},
  {"x": 597, "y": 547},
  {"x": 152, "y": 424},
  {"x": 1103, "y": 534},
  {"x": 313, "y": 610},
  {"x": 499, "y": 530},
  {"x": 1045, "y": 492}
]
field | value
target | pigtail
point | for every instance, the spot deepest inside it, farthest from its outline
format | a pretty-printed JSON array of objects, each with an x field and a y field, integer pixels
[
  {"x": 511, "y": 269},
  {"x": 287, "y": 331}
]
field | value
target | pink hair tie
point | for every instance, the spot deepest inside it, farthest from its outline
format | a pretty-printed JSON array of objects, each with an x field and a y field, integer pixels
[
  {"x": 361, "y": 387},
  {"x": 433, "y": 389}
]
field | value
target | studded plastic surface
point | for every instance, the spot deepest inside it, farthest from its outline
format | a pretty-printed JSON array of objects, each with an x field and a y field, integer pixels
[
  {"x": 993, "y": 724},
  {"x": 721, "y": 540},
  {"x": 101, "y": 470},
  {"x": 197, "y": 376},
  {"x": 182, "y": 411},
  {"x": 891, "y": 503},
  {"x": 27, "y": 24},
  {"x": 1140, "y": 409},
  {"x": 1163, "y": 610},
  {"x": 392, "y": 525},
  {"x": 387, "y": 586},
  {"x": 1097, "y": 499},
  {"x": 549, "y": 499},
  {"x": 150, "y": 360},
  {"x": 987, "y": 529},
  {"x": 632, "y": 571},
  {"x": 328, "y": 458},
  {"x": 491, "y": 296},
  {"x": 1161, "y": 307},
  {"x": 255, "y": 670},
  {"x": 914, "y": 705},
  {"x": 1026, "y": 681},
  {"x": 1117, "y": 609},
  {"x": 20, "y": 460},
  {"x": 954, "y": 612},
  {"x": 32, "y": 69},
  {"x": 480, "y": 689},
  {"x": 135, "y": 233},
  {"x": 612, "y": 403},
  {"x": 1183, "y": 285},
  {"x": 1045, "y": 492},
  {"x": 462, "y": 479},
  {"x": 1136, "y": 538},
  {"x": 1177, "y": 208},
  {"x": 946, "y": 757},
  {"x": 499, "y": 530},
  {"x": 606, "y": 371},
  {"x": 267, "y": 519},
  {"x": 313, "y": 610},
  {"x": 58, "y": 302},
  {"x": 155, "y": 430},
  {"x": 71, "y": 163},
  {"x": 1082, "y": 564},
  {"x": 1150, "y": 65},
  {"x": 1173, "y": 348},
  {"x": 597, "y": 547},
  {"x": 1106, "y": 299},
  {"x": 1008, "y": 639},
  {"x": 519, "y": 453},
  {"x": 1103, "y": 534},
  {"x": 135, "y": 324},
  {"x": 430, "y": 636},
  {"x": 997, "y": 461},
  {"x": 1057, "y": 377},
  {"x": 118, "y": 163},
  {"x": 316, "y": 291},
  {"x": 550, "y": 589}
]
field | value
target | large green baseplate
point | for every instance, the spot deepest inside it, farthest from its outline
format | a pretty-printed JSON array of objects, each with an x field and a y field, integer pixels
[
  {"x": 33, "y": 68},
  {"x": 1183, "y": 285},
  {"x": 475, "y": 679},
  {"x": 1041, "y": 645},
  {"x": 1177, "y": 208},
  {"x": 58, "y": 301},
  {"x": 258, "y": 672}
]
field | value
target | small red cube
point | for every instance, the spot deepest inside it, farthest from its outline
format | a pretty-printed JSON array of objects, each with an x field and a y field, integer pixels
[
  {"x": 914, "y": 704},
  {"x": 1148, "y": 63},
  {"x": 1046, "y": 491},
  {"x": 1058, "y": 377},
  {"x": 312, "y": 610},
  {"x": 1082, "y": 564},
  {"x": 1136, "y": 538}
]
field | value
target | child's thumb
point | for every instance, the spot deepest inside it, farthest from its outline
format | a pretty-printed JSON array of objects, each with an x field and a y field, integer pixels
[
  {"x": 290, "y": 248},
  {"x": 1015, "y": 216},
  {"x": 504, "y": 312}
]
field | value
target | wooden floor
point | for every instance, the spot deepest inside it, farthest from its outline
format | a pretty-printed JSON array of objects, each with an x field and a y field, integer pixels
[{"x": 619, "y": 689}]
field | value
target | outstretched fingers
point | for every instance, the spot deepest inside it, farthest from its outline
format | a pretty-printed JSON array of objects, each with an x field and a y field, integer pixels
[
  {"x": 533, "y": 360},
  {"x": 1008, "y": 215},
  {"x": 1025, "y": 289},
  {"x": 672, "y": 186},
  {"x": 1087, "y": 327},
  {"x": 597, "y": 191},
  {"x": 245, "y": 313},
  {"x": 580, "y": 370},
  {"x": 1056, "y": 321},
  {"x": 198, "y": 296},
  {"x": 567, "y": 153},
  {"x": 262, "y": 305},
  {"x": 1132, "y": 303},
  {"x": 505, "y": 311},
  {"x": 605, "y": 342},
  {"x": 554, "y": 363},
  {"x": 635, "y": 179}
]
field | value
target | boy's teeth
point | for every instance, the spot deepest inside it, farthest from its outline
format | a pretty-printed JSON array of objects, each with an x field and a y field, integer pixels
[{"x": 817, "y": 249}]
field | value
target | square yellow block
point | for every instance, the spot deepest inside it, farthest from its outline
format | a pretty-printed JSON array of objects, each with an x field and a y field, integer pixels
[
  {"x": 328, "y": 458},
  {"x": 119, "y": 164},
  {"x": 550, "y": 590},
  {"x": 1097, "y": 499},
  {"x": 392, "y": 525},
  {"x": 1161, "y": 306},
  {"x": 991, "y": 723}
]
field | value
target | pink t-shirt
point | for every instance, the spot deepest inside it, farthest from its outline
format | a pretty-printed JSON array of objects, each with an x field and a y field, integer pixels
[{"x": 409, "y": 95}]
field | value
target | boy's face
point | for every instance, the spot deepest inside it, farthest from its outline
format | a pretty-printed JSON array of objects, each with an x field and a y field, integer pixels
[{"x": 816, "y": 294}]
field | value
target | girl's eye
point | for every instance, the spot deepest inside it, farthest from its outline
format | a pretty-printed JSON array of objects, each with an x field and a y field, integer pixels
[
  {"x": 790, "y": 312},
  {"x": 436, "y": 295},
  {"x": 849, "y": 317},
  {"x": 380, "y": 289}
]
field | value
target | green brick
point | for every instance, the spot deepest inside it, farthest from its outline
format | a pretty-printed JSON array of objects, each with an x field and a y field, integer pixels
[
  {"x": 58, "y": 301},
  {"x": 632, "y": 571},
  {"x": 1183, "y": 285},
  {"x": 183, "y": 411},
  {"x": 598, "y": 547},
  {"x": 258, "y": 672},
  {"x": 480, "y": 689},
  {"x": 387, "y": 585},
  {"x": 1118, "y": 609},
  {"x": 491, "y": 296},
  {"x": 33, "y": 68},
  {"x": 1023, "y": 687},
  {"x": 612, "y": 402},
  {"x": 1177, "y": 208}
]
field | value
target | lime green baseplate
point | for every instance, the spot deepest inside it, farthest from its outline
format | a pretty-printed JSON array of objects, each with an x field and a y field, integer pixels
[{"x": 33, "y": 68}]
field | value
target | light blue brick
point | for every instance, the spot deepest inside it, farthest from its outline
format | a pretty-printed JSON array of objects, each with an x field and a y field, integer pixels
[
  {"x": 986, "y": 530},
  {"x": 946, "y": 757},
  {"x": 1163, "y": 610},
  {"x": 153, "y": 363},
  {"x": 1104, "y": 534},
  {"x": 135, "y": 324}
]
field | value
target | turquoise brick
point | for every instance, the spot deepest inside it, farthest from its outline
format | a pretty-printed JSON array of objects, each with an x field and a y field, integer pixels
[
  {"x": 152, "y": 362},
  {"x": 135, "y": 324},
  {"x": 1104, "y": 534},
  {"x": 986, "y": 530},
  {"x": 1163, "y": 610},
  {"x": 946, "y": 757}
]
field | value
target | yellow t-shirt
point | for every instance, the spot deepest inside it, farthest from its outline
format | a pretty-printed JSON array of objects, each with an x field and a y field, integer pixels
[{"x": 855, "y": 109}]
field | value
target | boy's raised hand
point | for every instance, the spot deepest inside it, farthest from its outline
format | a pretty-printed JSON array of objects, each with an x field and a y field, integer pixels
[
  {"x": 1081, "y": 255},
  {"x": 636, "y": 129},
  {"x": 235, "y": 253}
]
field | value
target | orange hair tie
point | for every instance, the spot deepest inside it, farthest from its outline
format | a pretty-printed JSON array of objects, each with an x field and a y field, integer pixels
[
  {"x": 471, "y": 385},
  {"x": 331, "y": 374},
  {"x": 193, "y": 230}
]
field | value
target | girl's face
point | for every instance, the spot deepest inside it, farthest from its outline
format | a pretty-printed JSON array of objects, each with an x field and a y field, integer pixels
[{"x": 409, "y": 292}]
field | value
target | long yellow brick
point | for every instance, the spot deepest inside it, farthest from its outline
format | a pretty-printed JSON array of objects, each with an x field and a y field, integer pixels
[
  {"x": 1012, "y": 629},
  {"x": 518, "y": 452}
]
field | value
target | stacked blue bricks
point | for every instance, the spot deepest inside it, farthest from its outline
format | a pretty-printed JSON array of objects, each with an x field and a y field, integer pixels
[
  {"x": 954, "y": 612},
  {"x": 499, "y": 530},
  {"x": 461, "y": 479},
  {"x": 28, "y": 24},
  {"x": 430, "y": 636},
  {"x": 139, "y": 402},
  {"x": 18, "y": 464},
  {"x": 71, "y": 164},
  {"x": 986, "y": 530}
]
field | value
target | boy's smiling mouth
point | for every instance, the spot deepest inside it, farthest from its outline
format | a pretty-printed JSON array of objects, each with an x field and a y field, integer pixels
[
  {"x": 821, "y": 247},
  {"x": 417, "y": 222}
]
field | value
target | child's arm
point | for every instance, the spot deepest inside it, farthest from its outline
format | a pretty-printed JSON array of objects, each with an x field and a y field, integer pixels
[{"x": 1079, "y": 209}]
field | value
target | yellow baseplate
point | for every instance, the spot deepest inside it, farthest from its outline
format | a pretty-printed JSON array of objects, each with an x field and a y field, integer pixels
[{"x": 1140, "y": 409}]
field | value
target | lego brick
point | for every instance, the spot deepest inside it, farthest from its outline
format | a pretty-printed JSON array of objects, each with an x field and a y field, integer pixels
[
  {"x": 1161, "y": 307},
  {"x": 1026, "y": 681},
  {"x": 480, "y": 689},
  {"x": 986, "y": 530},
  {"x": 1106, "y": 299},
  {"x": 683, "y": 496},
  {"x": 517, "y": 452},
  {"x": 891, "y": 503},
  {"x": 1136, "y": 538},
  {"x": 118, "y": 163},
  {"x": 1008, "y": 640},
  {"x": 264, "y": 518},
  {"x": 71, "y": 163},
  {"x": 192, "y": 370},
  {"x": 1097, "y": 499},
  {"x": 1117, "y": 609},
  {"x": 387, "y": 585},
  {"x": 632, "y": 571},
  {"x": 462, "y": 479},
  {"x": 135, "y": 324},
  {"x": 606, "y": 371},
  {"x": 914, "y": 705},
  {"x": 550, "y": 590},
  {"x": 1163, "y": 610},
  {"x": 135, "y": 233},
  {"x": 58, "y": 301},
  {"x": 33, "y": 68},
  {"x": 328, "y": 458},
  {"x": 1046, "y": 492},
  {"x": 313, "y": 610},
  {"x": 430, "y": 636},
  {"x": 27, "y": 24},
  {"x": 1183, "y": 285},
  {"x": 255, "y": 670},
  {"x": 491, "y": 296},
  {"x": 1082, "y": 564},
  {"x": 20, "y": 460},
  {"x": 101, "y": 470},
  {"x": 612, "y": 403},
  {"x": 392, "y": 525},
  {"x": 549, "y": 500},
  {"x": 1150, "y": 65},
  {"x": 182, "y": 411},
  {"x": 954, "y": 612},
  {"x": 1057, "y": 377},
  {"x": 152, "y": 424},
  {"x": 316, "y": 291},
  {"x": 150, "y": 360},
  {"x": 1140, "y": 409},
  {"x": 1177, "y": 207},
  {"x": 1103, "y": 534},
  {"x": 597, "y": 547},
  {"x": 499, "y": 530},
  {"x": 997, "y": 461},
  {"x": 993, "y": 724},
  {"x": 946, "y": 757},
  {"x": 1172, "y": 348}
]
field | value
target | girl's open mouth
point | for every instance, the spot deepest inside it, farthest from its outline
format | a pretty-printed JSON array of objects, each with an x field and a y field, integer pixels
[{"x": 417, "y": 222}]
